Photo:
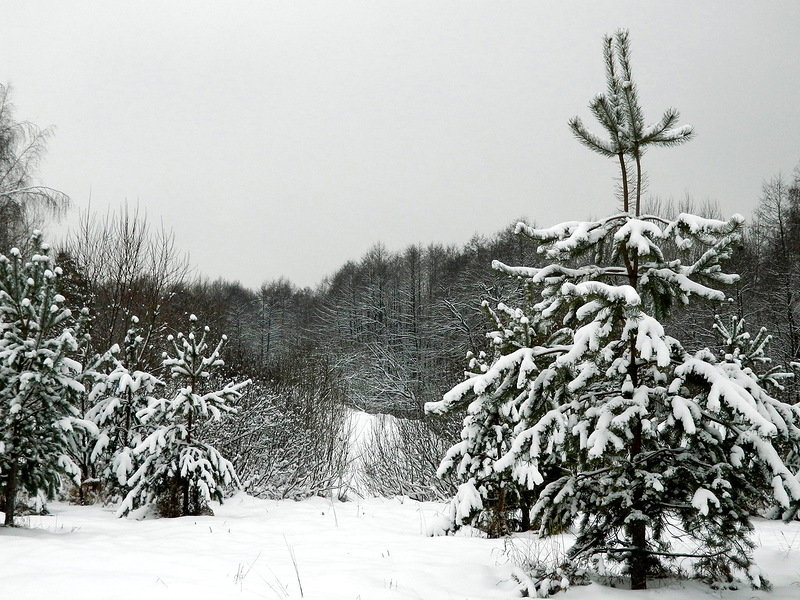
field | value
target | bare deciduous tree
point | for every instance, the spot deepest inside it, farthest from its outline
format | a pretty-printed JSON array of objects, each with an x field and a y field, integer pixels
[
  {"x": 130, "y": 269},
  {"x": 22, "y": 200}
]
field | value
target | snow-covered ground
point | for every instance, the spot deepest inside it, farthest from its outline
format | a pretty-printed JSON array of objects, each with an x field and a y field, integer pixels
[{"x": 365, "y": 549}]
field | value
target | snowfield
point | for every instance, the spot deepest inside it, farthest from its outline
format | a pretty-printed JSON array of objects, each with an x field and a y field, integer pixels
[{"x": 358, "y": 550}]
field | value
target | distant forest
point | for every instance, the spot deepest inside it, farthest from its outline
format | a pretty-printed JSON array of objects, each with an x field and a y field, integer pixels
[{"x": 391, "y": 330}]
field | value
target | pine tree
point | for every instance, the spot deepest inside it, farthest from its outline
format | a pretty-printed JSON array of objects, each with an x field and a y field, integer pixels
[
  {"x": 39, "y": 378},
  {"x": 658, "y": 444},
  {"x": 487, "y": 497},
  {"x": 74, "y": 286},
  {"x": 92, "y": 376},
  {"x": 739, "y": 349},
  {"x": 174, "y": 467},
  {"x": 739, "y": 346},
  {"x": 119, "y": 401}
]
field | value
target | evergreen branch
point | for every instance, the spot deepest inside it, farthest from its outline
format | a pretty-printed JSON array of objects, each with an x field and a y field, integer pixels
[
  {"x": 605, "y": 113},
  {"x": 589, "y": 139},
  {"x": 653, "y": 133},
  {"x": 615, "y": 550},
  {"x": 608, "y": 57}
]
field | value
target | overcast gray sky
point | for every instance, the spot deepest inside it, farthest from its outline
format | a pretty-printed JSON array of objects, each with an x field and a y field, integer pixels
[{"x": 284, "y": 138}]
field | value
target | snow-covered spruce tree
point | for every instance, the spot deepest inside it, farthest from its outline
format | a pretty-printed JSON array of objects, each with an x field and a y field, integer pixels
[
  {"x": 39, "y": 378},
  {"x": 664, "y": 451},
  {"x": 82, "y": 442},
  {"x": 487, "y": 497},
  {"x": 119, "y": 400},
  {"x": 174, "y": 467},
  {"x": 750, "y": 352}
]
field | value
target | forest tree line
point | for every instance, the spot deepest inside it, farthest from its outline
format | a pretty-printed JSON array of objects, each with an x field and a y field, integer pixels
[{"x": 394, "y": 327}]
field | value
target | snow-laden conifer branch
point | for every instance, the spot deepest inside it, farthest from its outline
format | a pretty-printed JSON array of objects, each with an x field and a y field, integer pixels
[{"x": 520, "y": 362}]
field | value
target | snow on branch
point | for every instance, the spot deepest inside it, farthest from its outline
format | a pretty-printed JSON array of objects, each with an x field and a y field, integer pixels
[{"x": 522, "y": 360}]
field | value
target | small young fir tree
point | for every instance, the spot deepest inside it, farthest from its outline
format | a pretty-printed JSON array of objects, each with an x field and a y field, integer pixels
[
  {"x": 173, "y": 466},
  {"x": 119, "y": 402}
]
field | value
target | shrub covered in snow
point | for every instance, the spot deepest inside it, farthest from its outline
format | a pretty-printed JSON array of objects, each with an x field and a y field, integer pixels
[
  {"x": 291, "y": 439},
  {"x": 540, "y": 566},
  {"x": 400, "y": 457}
]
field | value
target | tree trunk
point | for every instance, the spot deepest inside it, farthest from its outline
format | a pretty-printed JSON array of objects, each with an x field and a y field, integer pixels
[
  {"x": 185, "y": 510},
  {"x": 638, "y": 529},
  {"x": 498, "y": 528},
  {"x": 624, "y": 173},
  {"x": 639, "y": 557},
  {"x": 10, "y": 495},
  {"x": 81, "y": 493},
  {"x": 526, "y": 516},
  {"x": 638, "y": 182}
]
